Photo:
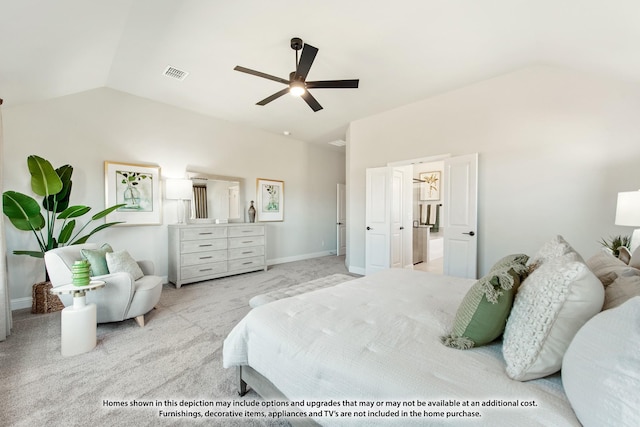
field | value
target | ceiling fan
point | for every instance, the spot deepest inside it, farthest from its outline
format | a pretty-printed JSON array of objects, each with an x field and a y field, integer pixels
[{"x": 297, "y": 84}]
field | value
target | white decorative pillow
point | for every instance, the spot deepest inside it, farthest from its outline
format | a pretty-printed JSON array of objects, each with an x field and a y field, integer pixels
[
  {"x": 554, "y": 248},
  {"x": 601, "y": 368},
  {"x": 621, "y": 290},
  {"x": 121, "y": 261},
  {"x": 553, "y": 302}
]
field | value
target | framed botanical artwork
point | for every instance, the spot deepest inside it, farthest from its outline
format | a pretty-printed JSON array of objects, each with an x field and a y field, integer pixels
[
  {"x": 270, "y": 195},
  {"x": 138, "y": 188},
  {"x": 430, "y": 185}
]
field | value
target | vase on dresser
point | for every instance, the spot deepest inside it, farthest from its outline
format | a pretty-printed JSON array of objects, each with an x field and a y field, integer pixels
[{"x": 252, "y": 213}]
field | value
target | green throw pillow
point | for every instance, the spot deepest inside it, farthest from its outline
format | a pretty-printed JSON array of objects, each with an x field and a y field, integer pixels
[
  {"x": 482, "y": 315},
  {"x": 97, "y": 259}
]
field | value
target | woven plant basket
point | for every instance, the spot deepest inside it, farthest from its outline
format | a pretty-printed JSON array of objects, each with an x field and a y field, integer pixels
[{"x": 42, "y": 301}]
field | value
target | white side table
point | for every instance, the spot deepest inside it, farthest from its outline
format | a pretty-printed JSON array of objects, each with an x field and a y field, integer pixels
[{"x": 78, "y": 322}]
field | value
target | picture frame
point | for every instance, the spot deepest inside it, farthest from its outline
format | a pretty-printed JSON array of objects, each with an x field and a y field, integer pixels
[
  {"x": 138, "y": 186},
  {"x": 430, "y": 185},
  {"x": 270, "y": 200}
]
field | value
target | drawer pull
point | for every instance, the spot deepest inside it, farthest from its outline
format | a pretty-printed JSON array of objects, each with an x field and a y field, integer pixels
[
  {"x": 205, "y": 234},
  {"x": 247, "y": 263},
  {"x": 247, "y": 252},
  {"x": 247, "y": 231},
  {"x": 204, "y": 246},
  {"x": 206, "y": 269},
  {"x": 248, "y": 241},
  {"x": 206, "y": 257}
]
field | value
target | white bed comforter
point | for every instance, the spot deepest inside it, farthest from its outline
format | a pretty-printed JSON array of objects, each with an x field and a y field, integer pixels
[{"x": 378, "y": 338}]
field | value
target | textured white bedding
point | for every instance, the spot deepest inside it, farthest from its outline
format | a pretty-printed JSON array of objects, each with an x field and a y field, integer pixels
[{"x": 378, "y": 338}]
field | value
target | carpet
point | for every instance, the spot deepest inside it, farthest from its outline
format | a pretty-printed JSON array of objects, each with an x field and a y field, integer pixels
[{"x": 176, "y": 357}]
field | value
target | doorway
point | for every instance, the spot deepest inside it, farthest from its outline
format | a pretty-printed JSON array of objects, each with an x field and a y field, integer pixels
[
  {"x": 455, "y": 218},
  {"x": 428, "y": 240}
]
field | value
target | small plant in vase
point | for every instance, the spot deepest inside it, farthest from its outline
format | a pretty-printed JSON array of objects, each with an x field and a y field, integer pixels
[
  {"x": 615, "y": 242},
  {"x": 26, "y": 214}
]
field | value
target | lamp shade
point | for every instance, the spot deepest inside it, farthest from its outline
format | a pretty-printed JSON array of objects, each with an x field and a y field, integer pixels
[
  {"x": 628, "y": 209},
  {"x": 178, "y": 189}
]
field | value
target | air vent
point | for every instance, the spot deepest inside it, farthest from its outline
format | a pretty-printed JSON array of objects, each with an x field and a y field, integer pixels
[
  {"x": 338, "y": 143},
  {"x": 175, "y": 73}
]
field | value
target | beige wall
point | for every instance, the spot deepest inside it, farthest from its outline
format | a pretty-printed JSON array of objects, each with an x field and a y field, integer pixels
[
  {"x": 88, "y": 128},
  {"x": 555, "y": 147}
]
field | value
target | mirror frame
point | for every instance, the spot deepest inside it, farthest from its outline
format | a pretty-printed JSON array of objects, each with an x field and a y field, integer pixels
[{"x": 193, "y": 175}]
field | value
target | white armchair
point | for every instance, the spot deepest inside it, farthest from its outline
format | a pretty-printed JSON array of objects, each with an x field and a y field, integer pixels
[{"x": 122, "y": 298}]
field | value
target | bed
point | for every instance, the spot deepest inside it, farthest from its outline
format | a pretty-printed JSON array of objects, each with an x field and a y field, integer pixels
[{"x": 378, "y": 338}]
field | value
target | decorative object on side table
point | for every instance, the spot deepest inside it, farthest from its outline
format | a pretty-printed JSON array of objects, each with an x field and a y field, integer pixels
[
  {"x": 252, "y": 213},
  {"x": 270, "y": 200},
  {"x": 137, "y": 189},
  {"x": 180, "y": 190},
  {"x": 25, "y": 213},
  {"x": 628, "y": 214},
  {"x": 80, "y": 273}
]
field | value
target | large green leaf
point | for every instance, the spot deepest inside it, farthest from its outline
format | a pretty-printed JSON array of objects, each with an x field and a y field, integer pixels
[
  {"x": 44, "y": 179},
  {"x": 35, "y": 254},
  {"x": 66, "y": 232},
  {"x": 23, "y": 211},
  {"x": 61, "y": 199},
  {"x": 83, "y": 239},
  {"x": 74, "y": 212},
  {"x": 107, "y": 211}
]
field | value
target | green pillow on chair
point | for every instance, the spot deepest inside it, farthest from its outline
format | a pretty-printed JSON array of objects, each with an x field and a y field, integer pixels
[
  {"x": 482, "y": 315},
  {"x": 97, "y": 259}
]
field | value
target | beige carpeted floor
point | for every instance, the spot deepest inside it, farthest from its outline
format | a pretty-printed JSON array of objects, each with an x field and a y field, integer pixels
[{"x": 176, "y": 356}]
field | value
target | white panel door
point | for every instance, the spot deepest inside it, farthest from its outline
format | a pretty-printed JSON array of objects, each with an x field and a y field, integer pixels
[
  {"x": 377, "y": 219},
  {"x": 341, "y": 221},
  {"x": 460, "y": 219},
  {"x": 397, "y": 217}
]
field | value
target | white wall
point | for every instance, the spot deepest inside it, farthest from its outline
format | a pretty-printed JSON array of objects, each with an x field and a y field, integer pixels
[
  {"x": 555, "y": 146},
  {"x": 88, "y": 128}
]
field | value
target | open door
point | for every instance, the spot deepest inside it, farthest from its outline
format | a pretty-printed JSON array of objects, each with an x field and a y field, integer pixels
[
  {"x": 460, "y": 219},
  {"x": 378, "y": 219},
  {"x": 341, "y": 221}
]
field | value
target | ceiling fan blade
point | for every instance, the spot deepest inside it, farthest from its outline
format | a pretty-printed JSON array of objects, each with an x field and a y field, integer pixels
[
  {"x": 309, "y": 99},
  {"x": 272, "y": 97},
  {"x": 306, "y": 59},
  {"x": 334, "y": 84},
  {"x": 261, "y": 74}
]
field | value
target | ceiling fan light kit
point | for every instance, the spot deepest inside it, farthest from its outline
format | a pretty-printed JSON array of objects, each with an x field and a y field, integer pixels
[{"x": 297, "y": 84}]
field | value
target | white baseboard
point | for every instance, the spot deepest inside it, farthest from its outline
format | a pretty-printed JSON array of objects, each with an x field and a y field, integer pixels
[
  {"x": 20, "y": 303},
  {"x": 357, "y": 270},
  {"x": 299, "y": 257},
  {"x": 25, "y": 302}
]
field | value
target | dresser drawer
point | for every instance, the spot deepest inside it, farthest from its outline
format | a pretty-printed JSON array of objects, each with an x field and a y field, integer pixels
[
  {"x": 197, "y": 258},
  {"x": 240, "y": 264},
  {"x": 256, "y": 230},
  {"x": 191, "y": 246},
  {"x": 243, "y": 242},
  {"x": 203, "y": 270},
  {"x": 203, "y": 233},
  {"x": 246, "y": 252}
]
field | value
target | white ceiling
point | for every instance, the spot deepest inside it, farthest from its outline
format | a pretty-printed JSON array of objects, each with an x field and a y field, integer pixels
[{"x": 402, "y": 51}]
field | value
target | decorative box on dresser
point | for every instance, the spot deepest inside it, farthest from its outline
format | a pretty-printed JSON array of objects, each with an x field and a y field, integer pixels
[{"x": 207, "y": 251}]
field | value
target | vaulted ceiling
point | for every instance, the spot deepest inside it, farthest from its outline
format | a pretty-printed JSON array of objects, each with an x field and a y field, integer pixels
[{"x": 402, "y": 51}]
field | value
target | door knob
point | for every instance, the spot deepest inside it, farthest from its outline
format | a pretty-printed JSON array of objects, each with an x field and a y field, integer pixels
[
  {"x": 339, "y": 223},
  {"x": 471, "y": 233},
  {"x": 401, "y": 228},
  {"x": 369, "y": 228}
]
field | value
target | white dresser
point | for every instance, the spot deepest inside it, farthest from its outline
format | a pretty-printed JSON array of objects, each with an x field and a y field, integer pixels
[{"x": 208, "y": 251}]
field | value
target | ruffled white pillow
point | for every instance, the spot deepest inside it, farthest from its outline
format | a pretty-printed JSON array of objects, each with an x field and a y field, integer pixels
[{"x": 553, "y": 302}]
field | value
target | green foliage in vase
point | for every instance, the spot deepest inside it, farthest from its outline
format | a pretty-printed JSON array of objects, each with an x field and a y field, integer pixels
[
  {"x": 54, "y": 185},
  {"x": 615, "y": 242}
]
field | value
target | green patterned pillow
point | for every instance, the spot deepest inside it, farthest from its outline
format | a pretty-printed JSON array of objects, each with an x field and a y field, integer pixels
[
  {"x": 482, "y": 315},
  {"x": 97, "y": 259}
]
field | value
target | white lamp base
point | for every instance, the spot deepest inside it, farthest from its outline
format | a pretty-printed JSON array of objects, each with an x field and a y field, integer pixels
[{"x": 635, "y": 240}]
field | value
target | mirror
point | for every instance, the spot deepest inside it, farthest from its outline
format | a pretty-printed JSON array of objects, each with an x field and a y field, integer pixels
[{"x": 216, "y": 198}]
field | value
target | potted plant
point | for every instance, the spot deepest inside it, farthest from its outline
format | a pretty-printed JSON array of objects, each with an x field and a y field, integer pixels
[
  {"x": 615, "y": 242},
  {"x": 26, "y": 214}
]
